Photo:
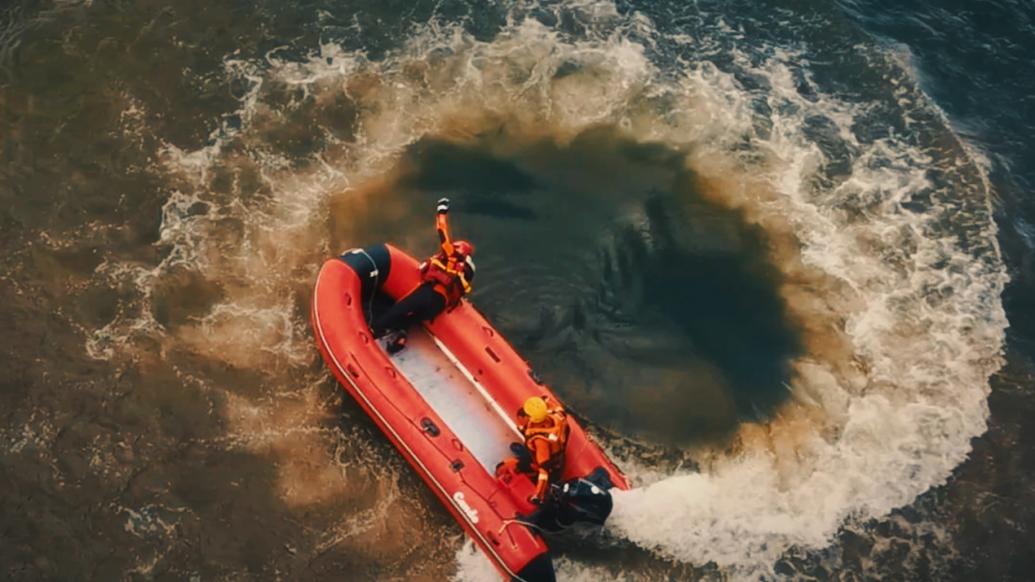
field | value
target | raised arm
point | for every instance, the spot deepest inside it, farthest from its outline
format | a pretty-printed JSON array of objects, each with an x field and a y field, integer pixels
[{"x": 442, "y": 226}]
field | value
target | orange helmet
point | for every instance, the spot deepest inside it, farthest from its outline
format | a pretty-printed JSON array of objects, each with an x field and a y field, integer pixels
[{"x": 462, "y": 247}]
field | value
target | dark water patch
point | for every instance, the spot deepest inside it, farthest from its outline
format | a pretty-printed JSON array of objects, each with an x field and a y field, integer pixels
[
  {"x": 96, "y": 306},
  {"x": 65, "y": 266},
  {"x": 725, "y": 303},
  {"x": 680, "y": 285},
  {"x": 439, "y": 165},
  {"x": 183, "y": 295}
]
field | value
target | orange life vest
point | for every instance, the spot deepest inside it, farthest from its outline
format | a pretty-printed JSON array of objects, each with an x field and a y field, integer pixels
[
  {"x": 554, "y": 431},
  {"x": 447, "y": 274}
]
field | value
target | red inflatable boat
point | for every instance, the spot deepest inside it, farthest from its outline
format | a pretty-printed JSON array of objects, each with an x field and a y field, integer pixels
[{"x": 448, "y": 403}]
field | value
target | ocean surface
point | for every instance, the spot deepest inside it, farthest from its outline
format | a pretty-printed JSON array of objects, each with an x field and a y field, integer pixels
[{"x": 780, "y": 255}]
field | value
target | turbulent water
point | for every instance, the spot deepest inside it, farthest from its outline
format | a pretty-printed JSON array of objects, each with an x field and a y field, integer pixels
[{"x": 778, "y": 255}]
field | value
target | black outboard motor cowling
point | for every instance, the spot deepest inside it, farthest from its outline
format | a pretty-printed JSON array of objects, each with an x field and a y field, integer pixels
[{"x": 584, "y": 500}]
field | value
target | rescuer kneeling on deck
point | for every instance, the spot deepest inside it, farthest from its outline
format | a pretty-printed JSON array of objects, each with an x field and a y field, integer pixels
[
  {"x": 545, "y": 429},
  {"x": 445, "y": 279}
]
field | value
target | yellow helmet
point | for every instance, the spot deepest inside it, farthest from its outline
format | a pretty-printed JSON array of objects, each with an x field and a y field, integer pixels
[{"x": 535, "y": 408}]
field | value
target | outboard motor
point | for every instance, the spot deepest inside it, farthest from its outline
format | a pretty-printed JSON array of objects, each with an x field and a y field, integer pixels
[{"x": 583, "y": 500}]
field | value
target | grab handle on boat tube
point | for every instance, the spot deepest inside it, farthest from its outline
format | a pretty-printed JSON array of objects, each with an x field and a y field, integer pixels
[{"x": 430, "y": 427}]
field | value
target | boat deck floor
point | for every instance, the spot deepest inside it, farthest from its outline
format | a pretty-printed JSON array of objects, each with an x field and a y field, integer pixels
[{"x": 455, "y": 398}]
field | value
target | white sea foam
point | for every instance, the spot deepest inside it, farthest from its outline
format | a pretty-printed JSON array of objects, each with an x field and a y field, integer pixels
[
  {"x": 926, "y": 329},
  {"x": 912, "y": 293},
  {"x": 473, "y": 565}
]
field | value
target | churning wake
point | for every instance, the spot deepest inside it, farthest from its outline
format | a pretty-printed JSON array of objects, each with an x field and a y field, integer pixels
[{"x": 882, "y": 232}]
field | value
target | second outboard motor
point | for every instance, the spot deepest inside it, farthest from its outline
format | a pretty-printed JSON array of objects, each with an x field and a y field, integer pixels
[{"x": 584, "y": 500}]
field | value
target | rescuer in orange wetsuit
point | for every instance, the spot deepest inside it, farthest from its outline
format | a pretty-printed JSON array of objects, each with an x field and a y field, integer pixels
[
  {"x": 445, "y": 279},
  {"x": 545, "y": 429}
]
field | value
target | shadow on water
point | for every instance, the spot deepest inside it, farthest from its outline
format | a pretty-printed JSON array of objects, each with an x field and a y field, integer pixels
[{"x": 649, "y": 308}]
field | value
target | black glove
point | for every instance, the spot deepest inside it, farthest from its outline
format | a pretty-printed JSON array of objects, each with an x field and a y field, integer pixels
[
  {"x": 535, "y": 500},
  {"x": 443, "y": 205}
]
